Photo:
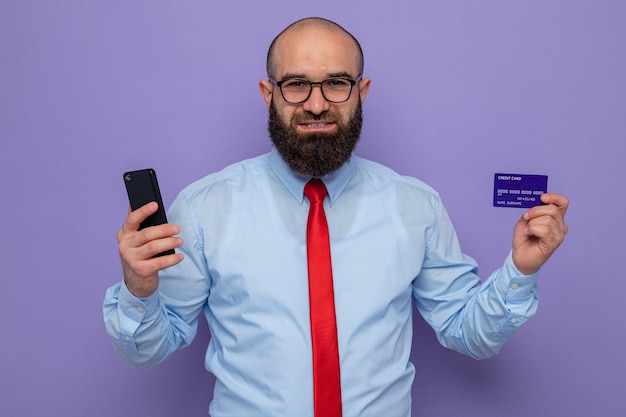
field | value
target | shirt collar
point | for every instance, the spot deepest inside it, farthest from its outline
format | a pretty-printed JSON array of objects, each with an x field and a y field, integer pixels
[{"x": 335, "y": 182}]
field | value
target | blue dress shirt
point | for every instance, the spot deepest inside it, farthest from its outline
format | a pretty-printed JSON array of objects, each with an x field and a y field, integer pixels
[{"x": 245, "y": 269}]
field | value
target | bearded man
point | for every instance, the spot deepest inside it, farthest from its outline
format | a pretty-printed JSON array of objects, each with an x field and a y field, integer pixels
[{"x": 309, "y": 298}]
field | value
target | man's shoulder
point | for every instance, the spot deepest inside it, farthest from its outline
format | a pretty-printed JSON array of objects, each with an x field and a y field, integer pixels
[
  {"x": 383, "y": 176},
  {"x": 230, "y": 175}
]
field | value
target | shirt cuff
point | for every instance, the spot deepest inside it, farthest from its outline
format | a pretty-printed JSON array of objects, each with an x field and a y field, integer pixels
[
  {"x": 138, "y": 309},
  {"x": 514, "y": 285}
]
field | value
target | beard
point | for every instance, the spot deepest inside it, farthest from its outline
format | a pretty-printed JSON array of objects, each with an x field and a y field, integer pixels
[{"x": 315, "y": 154}]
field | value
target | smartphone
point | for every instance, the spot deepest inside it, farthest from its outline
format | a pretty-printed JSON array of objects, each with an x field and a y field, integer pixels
[{"x": 142, "y": 188}]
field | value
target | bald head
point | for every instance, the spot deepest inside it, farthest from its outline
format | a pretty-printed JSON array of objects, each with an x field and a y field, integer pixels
[{"x": 308, "y": 24}]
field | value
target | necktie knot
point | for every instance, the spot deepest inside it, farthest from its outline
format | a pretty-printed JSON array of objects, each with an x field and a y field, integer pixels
[{"x": 315, "y": 190}]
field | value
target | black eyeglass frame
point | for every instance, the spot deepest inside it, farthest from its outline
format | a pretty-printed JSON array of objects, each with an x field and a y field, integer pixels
[{"x": 279, "y": 84}]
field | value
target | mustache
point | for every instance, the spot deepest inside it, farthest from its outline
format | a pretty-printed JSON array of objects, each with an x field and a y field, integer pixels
[{"x": 306, "y": 116}]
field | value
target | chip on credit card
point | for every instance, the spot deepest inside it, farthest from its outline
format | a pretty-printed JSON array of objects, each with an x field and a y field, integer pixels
[{"x": 518, "y": 190}]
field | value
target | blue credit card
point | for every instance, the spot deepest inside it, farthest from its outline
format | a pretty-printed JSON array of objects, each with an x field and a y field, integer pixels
[{"x": 518, "y": 190}]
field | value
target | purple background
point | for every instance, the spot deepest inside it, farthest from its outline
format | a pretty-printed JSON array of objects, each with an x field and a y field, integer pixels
[{"x": 461, "y": 90}]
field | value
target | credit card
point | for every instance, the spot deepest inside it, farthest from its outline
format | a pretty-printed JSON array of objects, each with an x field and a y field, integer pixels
[{"x": 518, "y": 190}]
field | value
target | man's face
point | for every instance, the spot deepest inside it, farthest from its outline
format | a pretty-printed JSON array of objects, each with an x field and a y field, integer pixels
[{"x": 316, "y": 137}]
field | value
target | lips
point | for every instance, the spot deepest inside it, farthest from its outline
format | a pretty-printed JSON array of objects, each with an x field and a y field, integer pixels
[
  {"x": 316, "y": 125},
  {"x": 308, "y": 122}
]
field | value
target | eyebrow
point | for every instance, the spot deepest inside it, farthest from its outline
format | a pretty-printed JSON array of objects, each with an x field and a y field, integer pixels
[{"x": 341, "y": 74}]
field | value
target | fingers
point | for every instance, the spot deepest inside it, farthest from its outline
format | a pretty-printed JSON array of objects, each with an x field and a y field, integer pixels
[
  {"x": 547, "y": 229},
  {"x": 539, "y": 232},
  {"x": 553, "y": 211},
  {"x": 135, "y": 218},
  {"x": 138, "y": 250},
  {"x": 146, "y": 247},
  {"x": 141, "y": 274},
  {"x": 130, "y": 234},
  {"x": 559, "y": 200},
  {"x": 153, "y": 240}
]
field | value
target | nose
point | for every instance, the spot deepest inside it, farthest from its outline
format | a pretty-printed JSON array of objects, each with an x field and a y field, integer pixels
[{"x": 316, "y": 103}]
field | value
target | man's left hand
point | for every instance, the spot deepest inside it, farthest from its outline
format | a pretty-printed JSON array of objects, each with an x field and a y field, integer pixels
[{"x": 539, "y": 232}]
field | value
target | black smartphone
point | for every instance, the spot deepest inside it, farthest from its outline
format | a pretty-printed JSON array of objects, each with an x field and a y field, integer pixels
[{"x": 142, "y": 188}]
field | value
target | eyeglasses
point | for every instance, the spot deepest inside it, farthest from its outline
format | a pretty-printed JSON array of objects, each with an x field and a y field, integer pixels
[{"x": 298, "y": 90}]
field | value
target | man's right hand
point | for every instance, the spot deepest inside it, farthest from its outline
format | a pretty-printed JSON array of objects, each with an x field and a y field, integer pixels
[{"x": 139, "y": 247}]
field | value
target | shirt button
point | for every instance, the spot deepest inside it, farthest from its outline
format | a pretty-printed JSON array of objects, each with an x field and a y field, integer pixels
[
  {"x": 513, "y": 320},
  {"x": 140, "y": 309},
  {"x": 514, "y": 286},
  {"x": 127, "y": 338}
]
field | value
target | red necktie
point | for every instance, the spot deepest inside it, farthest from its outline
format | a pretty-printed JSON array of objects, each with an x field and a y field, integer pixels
[{"x": 326, "y": 380}]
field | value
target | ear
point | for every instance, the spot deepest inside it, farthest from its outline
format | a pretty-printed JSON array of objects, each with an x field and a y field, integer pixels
[
  {"x": 266, "y": 88},
  {"x": 364, "y": 88}
]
